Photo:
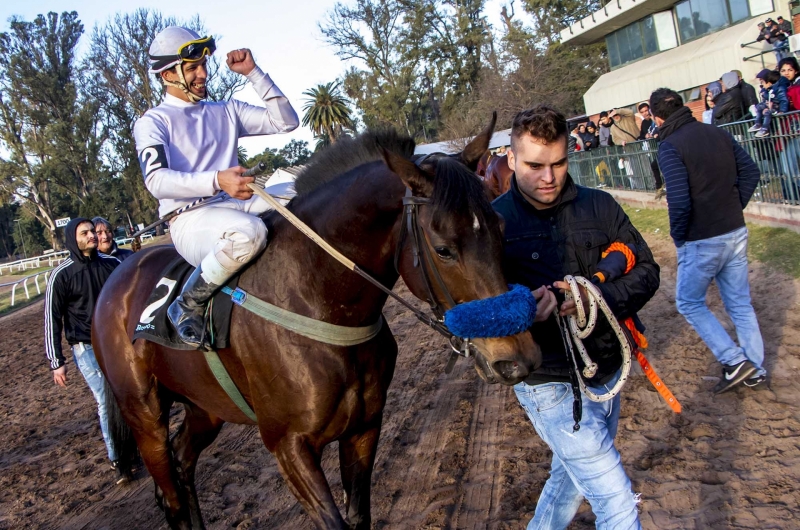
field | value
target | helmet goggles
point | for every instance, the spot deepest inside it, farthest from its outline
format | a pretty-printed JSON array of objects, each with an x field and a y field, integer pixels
[
  {"x": 195, "y": 50},
  {"x": 190, "y": 52}
]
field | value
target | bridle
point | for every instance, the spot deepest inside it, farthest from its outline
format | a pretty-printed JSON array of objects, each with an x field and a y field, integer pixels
[{"x": 422, "y": 259}]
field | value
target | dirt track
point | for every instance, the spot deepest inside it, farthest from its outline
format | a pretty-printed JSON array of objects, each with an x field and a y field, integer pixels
[{"x": 454, "y": 453}]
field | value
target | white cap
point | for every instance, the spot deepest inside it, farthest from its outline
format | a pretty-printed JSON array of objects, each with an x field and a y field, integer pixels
[{"x": 164, "y": 50}]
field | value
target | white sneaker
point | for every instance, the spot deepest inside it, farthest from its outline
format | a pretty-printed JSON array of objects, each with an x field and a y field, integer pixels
[
  {"x": 762, "y": 133},
  {"x": 754, "y": 128}
]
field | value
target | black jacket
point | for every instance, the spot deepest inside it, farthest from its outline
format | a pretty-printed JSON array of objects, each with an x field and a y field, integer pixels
[
  {"x": 542, "y": 246},
  {"x": 120, "y": 253},
  {"x": 749, "y": 96},
  {"x": 729, "y": 106},
  {"x": 71, "y": 293}
]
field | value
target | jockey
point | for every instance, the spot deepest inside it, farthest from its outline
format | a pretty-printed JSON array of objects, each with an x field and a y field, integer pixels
[{"x": 188, "y": 150}]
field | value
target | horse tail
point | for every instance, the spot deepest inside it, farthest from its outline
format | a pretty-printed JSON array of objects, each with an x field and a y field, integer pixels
[{"x": 121, "y": 435}]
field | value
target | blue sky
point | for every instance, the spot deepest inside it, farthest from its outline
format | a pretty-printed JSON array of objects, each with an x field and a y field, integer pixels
[{"x": 283, "y": 36}]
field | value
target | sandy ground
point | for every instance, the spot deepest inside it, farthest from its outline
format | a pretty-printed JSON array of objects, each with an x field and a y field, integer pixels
[{"x": 455, "y": 452}]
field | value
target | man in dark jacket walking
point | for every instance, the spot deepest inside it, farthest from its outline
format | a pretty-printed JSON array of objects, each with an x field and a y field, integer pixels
[
  {"x": 69, "y": 303},
  {"x": 554, "y": 228},
  {"x": 710, "y": 180},
  {"x": 729, "y": 105}
]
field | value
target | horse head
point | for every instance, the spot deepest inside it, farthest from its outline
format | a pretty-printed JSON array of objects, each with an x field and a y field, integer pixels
[{"x": 456, "y": 256}]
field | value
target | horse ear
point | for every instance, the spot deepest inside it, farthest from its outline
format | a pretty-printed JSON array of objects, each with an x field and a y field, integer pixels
[
  {"x": 474, "y": 150},
  {"x": 420, "y": 183}
]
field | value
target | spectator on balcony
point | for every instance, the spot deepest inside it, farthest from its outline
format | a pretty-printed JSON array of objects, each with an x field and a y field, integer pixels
[
  {"x": 712, "y": 91},
  {"x": 604, "y": 132},
  {"x": 587, "y": 139},
  {"x": 790, "y": 69},
  {"x": 749, "y": 94},
  {"x": 647, "y": 127},
  {"x": 591, "y": 128},
  {"x": 772, "y": 33},
  {"x": 728, "y": 106},
  {"x": 775, "y": 101},
  {"x": 623, "y": 128},
  {"x": 785, "y": 26}
]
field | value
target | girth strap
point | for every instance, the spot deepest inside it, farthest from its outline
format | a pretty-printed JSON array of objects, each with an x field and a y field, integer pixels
[
  {"x": 227, "y": 384},
  {"x": 302, "y": 325}
]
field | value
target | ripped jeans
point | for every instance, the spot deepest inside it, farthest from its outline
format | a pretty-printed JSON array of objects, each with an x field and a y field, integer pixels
[{"x": 585, "y": 463}]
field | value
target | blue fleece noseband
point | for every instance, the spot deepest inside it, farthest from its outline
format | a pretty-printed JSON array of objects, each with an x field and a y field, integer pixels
[{"x": 500, "y": 316}]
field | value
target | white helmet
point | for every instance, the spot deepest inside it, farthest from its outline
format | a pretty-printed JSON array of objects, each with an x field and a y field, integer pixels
[{"x": 175, "y": 45}]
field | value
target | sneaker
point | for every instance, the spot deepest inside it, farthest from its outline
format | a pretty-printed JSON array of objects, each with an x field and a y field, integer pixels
[
  {"x": 762, "y": 133},
  {"x": 753, "y": 382},
  {"x": 121, "y": 477},
  {"x": 733, "y": 375},
  {"x": 754, "y": 128}
]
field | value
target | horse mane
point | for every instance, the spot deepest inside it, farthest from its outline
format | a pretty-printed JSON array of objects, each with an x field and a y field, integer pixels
[
  {"x": 458, "y": 191},
  {"x": 348, "y": 153}
]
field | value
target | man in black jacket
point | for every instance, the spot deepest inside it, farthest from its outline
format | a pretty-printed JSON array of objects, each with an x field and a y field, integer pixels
[
  {"x": 554, "y": 228},
  {"x": 710, "y": 179},
  {"x": 69, "y": 303}
]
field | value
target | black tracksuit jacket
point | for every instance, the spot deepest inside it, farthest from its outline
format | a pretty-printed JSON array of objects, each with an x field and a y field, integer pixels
[
  {"x": 542, "y": 246},
  {"x": 72, "y": 291}
]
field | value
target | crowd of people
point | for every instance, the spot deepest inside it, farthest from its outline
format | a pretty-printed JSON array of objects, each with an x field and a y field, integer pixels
[{"x": 777, "y": 34}]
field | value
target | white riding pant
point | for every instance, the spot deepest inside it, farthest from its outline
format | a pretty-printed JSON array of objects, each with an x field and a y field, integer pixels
[{"x": 222, "y": 237}]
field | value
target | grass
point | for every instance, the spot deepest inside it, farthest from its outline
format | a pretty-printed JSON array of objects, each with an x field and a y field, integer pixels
[
  {"x": 20, "y": 301},
  {"x": 779, "y": 248}
]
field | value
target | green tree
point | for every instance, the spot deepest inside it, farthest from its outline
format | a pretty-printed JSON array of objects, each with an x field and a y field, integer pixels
[
  {"x": 327, "y": 111},
  {"x": 295, "y": 153},
  {"x": 52, "y": 146}
]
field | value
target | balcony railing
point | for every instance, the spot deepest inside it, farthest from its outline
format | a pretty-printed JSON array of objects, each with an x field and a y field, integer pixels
[{"x": 631, "y": 166}]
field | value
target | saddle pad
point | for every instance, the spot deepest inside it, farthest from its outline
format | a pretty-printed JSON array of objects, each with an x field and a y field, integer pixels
[{"x": 154, "y": 325}]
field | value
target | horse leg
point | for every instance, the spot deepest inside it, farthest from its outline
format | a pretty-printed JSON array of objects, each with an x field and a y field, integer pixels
[
  {"x": 356, "y": 459},
  {"x": 198, "y": 430},
  {"x": 148, "y": 417},
  {"x": 299, "y": 463}
]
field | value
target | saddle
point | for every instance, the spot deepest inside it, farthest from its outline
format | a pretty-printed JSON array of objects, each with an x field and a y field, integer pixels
[{"x": 153, "y": 324}]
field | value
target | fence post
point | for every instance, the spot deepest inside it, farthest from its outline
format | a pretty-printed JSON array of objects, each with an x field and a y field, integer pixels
[
  {"x": 25, "y": 285},
  {"x": 36, "y": 281},
  {"x": 13, "y": 292}
]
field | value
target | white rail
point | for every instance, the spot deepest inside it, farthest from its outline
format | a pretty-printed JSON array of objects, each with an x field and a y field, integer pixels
[
  {"x": 24, "y": 282},
  {"x": 51, "y": 260}
]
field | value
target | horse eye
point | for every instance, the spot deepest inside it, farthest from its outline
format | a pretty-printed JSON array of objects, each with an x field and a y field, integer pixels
[{"x": 444, "y": 252}]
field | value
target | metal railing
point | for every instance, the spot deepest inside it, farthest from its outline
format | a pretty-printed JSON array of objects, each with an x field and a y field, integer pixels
[
  {"x": 24, "y": 283},
  {"x": 51, "y": 259},
  {"x": 626, "y": 167},
  {"x": 631, "y": 166}
]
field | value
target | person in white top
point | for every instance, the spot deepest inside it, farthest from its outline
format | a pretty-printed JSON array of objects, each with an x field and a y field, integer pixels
[{"x": 188, "y": 150}]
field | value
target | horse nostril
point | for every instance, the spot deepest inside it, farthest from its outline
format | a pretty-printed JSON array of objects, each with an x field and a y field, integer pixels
[{"x": 509, "y": 370}]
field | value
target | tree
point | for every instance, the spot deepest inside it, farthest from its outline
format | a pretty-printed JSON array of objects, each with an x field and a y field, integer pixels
[
  {"x": 327, "y": 111},
  {"x": 47, "y": 127},
  {"x": 295, "y": 153}
]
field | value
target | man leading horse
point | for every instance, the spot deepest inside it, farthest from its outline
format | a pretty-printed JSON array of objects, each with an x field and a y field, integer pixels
[{"x": 188, "y": 151}]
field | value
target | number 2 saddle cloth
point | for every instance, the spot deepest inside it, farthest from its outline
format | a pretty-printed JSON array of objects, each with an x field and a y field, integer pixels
[{"x": 153, "y": 324}]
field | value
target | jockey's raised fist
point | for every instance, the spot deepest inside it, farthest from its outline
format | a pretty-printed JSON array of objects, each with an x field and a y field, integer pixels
[{"x": 240, "y": 61}]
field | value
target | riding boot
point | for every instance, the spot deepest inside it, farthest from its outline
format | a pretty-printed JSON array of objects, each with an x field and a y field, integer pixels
[{"x": 187, "y": 312}]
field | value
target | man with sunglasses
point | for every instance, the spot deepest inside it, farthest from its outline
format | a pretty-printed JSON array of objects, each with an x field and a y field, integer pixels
[{"x": 188, "y": 151}]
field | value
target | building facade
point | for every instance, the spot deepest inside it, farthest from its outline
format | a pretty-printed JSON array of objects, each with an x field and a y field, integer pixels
[{"x": 680, "y": 44}]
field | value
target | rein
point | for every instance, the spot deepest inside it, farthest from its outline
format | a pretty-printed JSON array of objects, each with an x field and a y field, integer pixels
[
  {"x": 456, "y": 344},
  {"x": 578, "y": 327}
]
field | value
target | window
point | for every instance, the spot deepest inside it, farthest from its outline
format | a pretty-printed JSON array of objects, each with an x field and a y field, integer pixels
[
  {"x": 696, "y": 18},
  {"x": 632, "y": 42}
]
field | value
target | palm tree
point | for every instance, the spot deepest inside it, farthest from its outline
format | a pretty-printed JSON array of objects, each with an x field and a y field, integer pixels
[{"x": 327, "y": 111}]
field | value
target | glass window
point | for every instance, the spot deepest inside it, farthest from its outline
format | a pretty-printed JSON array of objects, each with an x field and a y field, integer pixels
[
  {"x": 740, "y": 10},
  {"x": 709, "y": 15},
  {"x": 683, "y": 13},
  {"x": 649, "y": 36},
  {"x": 613, "y": 52}
]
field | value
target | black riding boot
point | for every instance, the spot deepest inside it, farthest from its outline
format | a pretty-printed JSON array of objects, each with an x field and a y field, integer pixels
[{"x": 187, "y": 312}]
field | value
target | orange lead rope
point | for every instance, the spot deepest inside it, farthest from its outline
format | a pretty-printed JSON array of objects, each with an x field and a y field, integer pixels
[
  {"x": 641, "y": 342},
  {"x": 638, "y": 337}
]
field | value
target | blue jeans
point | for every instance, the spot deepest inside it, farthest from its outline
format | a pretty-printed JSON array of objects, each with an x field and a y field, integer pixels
[
  {"x": 83, "y": 354},
  {"x": 585, "y": 463},
  {"x": 724, "y": 259},
  {"x": 763, "y": 116}
]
